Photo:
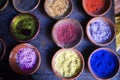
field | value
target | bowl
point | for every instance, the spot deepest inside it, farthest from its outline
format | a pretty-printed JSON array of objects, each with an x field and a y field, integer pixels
[
  {"x": 2, "y": 48},
  {"x": 3, "y": 4},
  {"x": 58, "y": 9},
  {"x": 68, "y": 64},
  {"x": 96, "y": 7},
  {"x": 103, "y": 63},
  {"x": 100, "y": 31},
  {"x": 24, "y": 27},
  {"x": 67, "y": 33},
  {"x": 24, "y": 59},
  {"x": 25, "y": 6}
]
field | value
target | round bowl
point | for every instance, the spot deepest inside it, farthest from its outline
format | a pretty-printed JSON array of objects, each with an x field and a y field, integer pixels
[
  {"x": 24, "y": 59},
  {"x": 25, "y": 6},
  {"x": 3, "y": 4},
  {"x": 103, "y": 63},
  {"x": 68, "y": 64},
  {"x": 56, "y": 9},
  {"x": 24, "y": 27},
  {"x": 96, "y": 7},
  {"x": 100, "y": 31},
  {"x": 67, "y": 33}
]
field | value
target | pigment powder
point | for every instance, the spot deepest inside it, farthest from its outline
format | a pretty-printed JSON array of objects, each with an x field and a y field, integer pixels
[
  {"x": 104, "y": 64},
  {"x": 68, "y": 33},
  {"x": 100, "y": 31},
  {"x": 24, "y": 27},
  {"x": 26, "y": 59},
  {"x": 58, "y": 8},
  {"x": 96, "y": 6},
  {"x": 68, "y": 63}
]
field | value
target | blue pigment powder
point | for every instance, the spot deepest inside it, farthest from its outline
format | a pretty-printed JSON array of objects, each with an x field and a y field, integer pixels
[
  {"x": 104, "y": 64},
  {"x": 100, "y": 31}
]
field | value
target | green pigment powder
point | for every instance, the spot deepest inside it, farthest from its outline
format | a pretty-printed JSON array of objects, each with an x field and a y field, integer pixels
[{"x": 24, "y": 27}]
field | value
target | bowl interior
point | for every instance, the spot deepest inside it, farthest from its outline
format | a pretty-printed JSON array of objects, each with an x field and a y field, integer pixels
[
  {"x": 91, "y": 5},
  {"x": 46, "y": 6},
  {"x": 103, "y": 63},
  {"x": 79, "y": 71},
  {"x": 24, "y": 27},
  {"x": 13, "y": 59},
  {"x": 67, "y": 33},
  {"x": 25, "y": 5},
  {"x": 98, "y": 39}
]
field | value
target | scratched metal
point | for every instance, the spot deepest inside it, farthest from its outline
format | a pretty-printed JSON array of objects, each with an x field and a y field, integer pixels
[{"x": 45, "y": 43}]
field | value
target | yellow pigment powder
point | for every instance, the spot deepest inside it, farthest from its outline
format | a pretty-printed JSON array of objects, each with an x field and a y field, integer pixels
[
  {"x": 68, "y": 63},
  {"x": 57, "y": 8}
]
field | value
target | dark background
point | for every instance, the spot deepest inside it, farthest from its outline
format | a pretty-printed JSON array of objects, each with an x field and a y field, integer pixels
[{"x": 45, "y": 43}]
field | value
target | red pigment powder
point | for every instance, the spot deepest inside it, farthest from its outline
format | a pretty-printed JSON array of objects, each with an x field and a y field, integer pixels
[
  {"x": 95, "y": 6},
  {"x": 68, "y": 34}
]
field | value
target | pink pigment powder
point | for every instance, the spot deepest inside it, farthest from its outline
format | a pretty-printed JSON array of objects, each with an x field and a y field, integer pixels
[
  {"x": 68, "y": 34},
  {"x": 26, "y": 58}
]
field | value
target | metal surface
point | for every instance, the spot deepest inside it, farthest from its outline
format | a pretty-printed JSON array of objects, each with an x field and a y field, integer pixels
[{"x": 45, "y": 43}]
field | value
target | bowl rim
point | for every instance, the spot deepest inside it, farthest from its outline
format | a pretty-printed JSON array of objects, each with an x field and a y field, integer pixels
[
  {"x": 111, "y": 25},
  {"x": 22, "y": 11},
  {"x": 5, "y": 5},
  {"x": 91, "y": 71},
  {"x": 95, "y": 15},
  {"x": 75, "y": 21},
  {"x": 70, "y": 9},
  {"x": 79, "y": 54},
  {"x": 36, "y": 33},
  {"x": 16, "y": 68}
]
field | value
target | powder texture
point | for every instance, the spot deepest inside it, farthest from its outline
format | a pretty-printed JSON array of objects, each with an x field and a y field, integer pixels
[
  {"x": 67, "y": 63},
  {"x": 68, "y": 34},
  {"x": 26, "y": 59},
  {"x": 100, "y": 31},
  {"x": 57, "y": 8},
  {"x": 95, "y": 6},
  {"x": 104, "y": 64},
  {"x": 24, "y": 27}
]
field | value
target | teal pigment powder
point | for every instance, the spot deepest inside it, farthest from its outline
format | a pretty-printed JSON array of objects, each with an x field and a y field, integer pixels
[{"x": 104, "y": 64}]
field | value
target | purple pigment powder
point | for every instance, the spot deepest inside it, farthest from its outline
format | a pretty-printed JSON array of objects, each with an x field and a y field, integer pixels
[
  {"x": 26, "y": 59},
  {"x": 104, "y": 64},
  {"x": 100, "y": 31}
]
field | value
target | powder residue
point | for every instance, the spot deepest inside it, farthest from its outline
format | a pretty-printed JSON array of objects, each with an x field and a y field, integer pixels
[
  {"x": 67, "y": 63},
  {"x": 26, "y": 58},
  {"x": 95, "y": 6},
  {"x": 58, "y": 8},
  {"x": 104, "y": 64},
  {"x": 100, "y": 31}
]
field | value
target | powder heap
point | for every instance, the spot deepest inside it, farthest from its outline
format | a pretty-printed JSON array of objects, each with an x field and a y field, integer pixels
[
  {"x": 68, "y": 63},
  {"x": 68, "y": 34},
  {"x": 104, "y": 64},
  {"x": 58, "y": 8},
  {"x": 26, "y": 59},
  {"x": 95, "y": 6},
  {"x": 100, "y": 31}
]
